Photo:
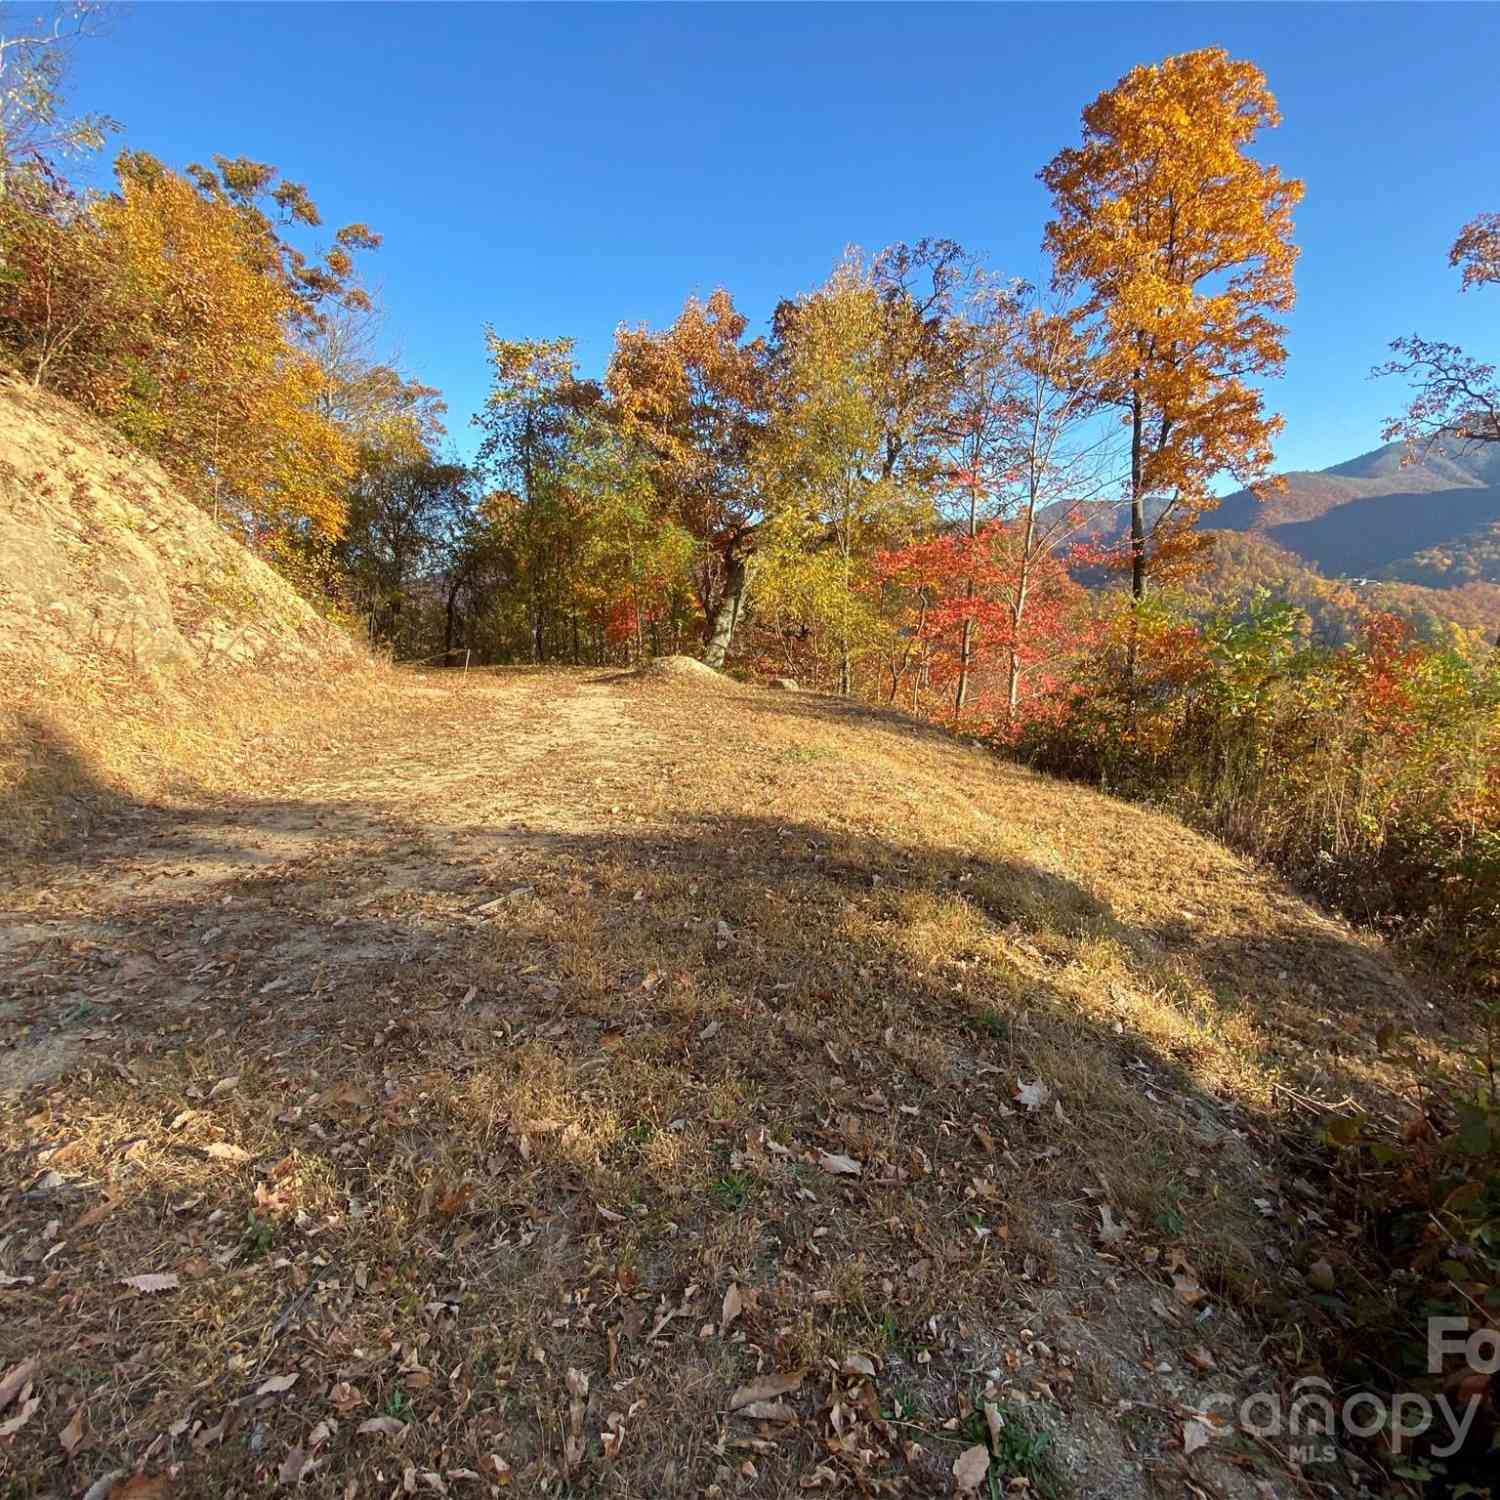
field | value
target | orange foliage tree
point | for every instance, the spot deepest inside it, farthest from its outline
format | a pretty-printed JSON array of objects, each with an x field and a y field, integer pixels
[
  {"x": 694, "y": 396},
  {"x": 1178, "y": 243}
]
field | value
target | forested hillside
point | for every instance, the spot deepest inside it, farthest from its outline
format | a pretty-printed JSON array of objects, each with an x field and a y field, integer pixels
[{"x": 1430, "y": 516}]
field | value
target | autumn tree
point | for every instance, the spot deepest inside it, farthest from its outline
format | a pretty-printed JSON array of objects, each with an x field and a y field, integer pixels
[
  {"x": 1177, "y": 244},
  {"x": 826, "y": 461},
  {"x": 218, "y": 391},
  {"x": 402, "y": 513},
  {"x": 366, "y": 396},
  {"x": 1457, "y": 397},
  {"x": 693, "y": 397},
  {"x": 536, "y": 419},
  {"x": 1038, "y": 459}
]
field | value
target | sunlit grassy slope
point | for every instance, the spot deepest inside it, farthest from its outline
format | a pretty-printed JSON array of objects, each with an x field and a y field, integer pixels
[{"x": 557, "y": 1056}]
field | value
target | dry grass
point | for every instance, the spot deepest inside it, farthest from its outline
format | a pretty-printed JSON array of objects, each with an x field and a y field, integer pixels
[
  {"x": 98, "y": 735},
  {"x": 548, "y": 1004}
]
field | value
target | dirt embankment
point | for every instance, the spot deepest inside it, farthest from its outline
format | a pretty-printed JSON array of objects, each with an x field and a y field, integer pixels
[{"x": 141, "y": 646}]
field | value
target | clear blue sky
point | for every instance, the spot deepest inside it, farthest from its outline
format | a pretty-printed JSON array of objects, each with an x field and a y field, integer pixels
[{"x": 561, "y": 169}]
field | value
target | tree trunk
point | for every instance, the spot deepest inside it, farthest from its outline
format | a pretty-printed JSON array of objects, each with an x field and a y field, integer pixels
[
  {"x": 726, "y": 613},
  {"x": 966, "y": 645},
  {"x": 1137, "y": 547},
  {"x": 448, "y": 624},
  {"x": 1137, "y": 508}
]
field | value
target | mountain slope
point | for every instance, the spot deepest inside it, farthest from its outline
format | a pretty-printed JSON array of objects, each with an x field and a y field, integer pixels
[
  {"x": 567, "y": 1053},
  {"x": 139, "y": 642},
  {"x": 1435, "y": 521}
]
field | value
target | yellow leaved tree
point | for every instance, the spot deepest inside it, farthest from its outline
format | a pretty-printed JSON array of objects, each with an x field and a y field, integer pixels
[
  {"x": 215, "y": 384},
  {"x": 1177, "y": 244}
]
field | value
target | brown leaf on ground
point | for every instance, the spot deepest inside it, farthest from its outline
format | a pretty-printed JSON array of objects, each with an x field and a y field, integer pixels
[
  {"x": 765, "y": 1411},
  {"x": 101, "y": 1210},
  {"x": 345, "y": 1398},
  {"x": 381, "y": 1427},
  {"x": 767, "y": 1387},
  {"x": 970, "y": 1467},
  {"x": 72, "y": 1436},
  {"x": 142, "y": 1487},
  {"x": 839, "y": 1165},
  {"x": 734, "y": 1304},
  {"x": 14, "y": 1379},
  {"x": 151, "y": 1283},
  {"x": 25, "y": 1411}
]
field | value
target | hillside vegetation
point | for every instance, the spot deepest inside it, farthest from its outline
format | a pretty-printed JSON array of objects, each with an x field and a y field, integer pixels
[{"x": 657, "y": 1085}]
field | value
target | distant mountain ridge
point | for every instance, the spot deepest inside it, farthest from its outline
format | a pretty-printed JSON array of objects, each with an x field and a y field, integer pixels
[{"x": 1434, "y": 520}]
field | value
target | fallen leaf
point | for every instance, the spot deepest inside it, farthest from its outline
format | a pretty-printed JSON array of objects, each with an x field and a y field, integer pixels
[
  {"x": 451, "y": 1202},
  {"x": 1320, "y": 1275},
  {"x": 1196, "y": 1434},
  {"x": 142, "y": 1487},
  {"x": 495, "y": 1469},
  {"x": 970, "y": 1467},
  {"x": 223, "y": 1086},
  {"x": 1187, "y": 1288},
  {"x": 276, "y": 1385},
  {"x": 1200, "y": 1358},
  {"x": 839, "y": 1165},
  {"x": 151, "y": 1283},
  {"x": 765, "y": 1411},
  {"x": 734, "y": 1305},
  {"x": 224, "y": 1151},
  {"x": 859, "y": 1364},
  {"x": 345, "y": 1397},
  {"x": 71, "y": 1437},
  {"x": 292, "y": 1466},
  {"x": 25, "y": 1411},
  {"x": 1032, "y": 1096},
  {"x": 995, "y": 1422},
  {"x": 381, "y": 1427},
  {"x": 14, "y": 1380},
  {"x": 106, "y": 1206},
  {"x": 612, "y": 1439},
  {"x": 101, "y": 1487},
  {"x": 767, "y": 1387}
]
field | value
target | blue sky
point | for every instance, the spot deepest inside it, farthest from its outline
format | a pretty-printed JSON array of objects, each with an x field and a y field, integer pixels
[{"x": 561, "y": 169}]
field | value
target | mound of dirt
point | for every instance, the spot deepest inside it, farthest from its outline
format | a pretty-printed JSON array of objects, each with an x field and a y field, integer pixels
[
  {"x": 141, "y": 646},
  {"x": 681, "y": 668}
]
